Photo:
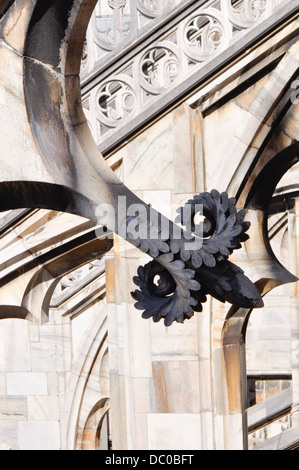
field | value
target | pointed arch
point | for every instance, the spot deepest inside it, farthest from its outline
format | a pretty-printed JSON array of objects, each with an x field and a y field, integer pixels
[{"x": 264, "y": 162}]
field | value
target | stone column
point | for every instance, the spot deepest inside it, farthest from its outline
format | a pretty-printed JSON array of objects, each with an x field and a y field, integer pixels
[
  {"x": 234, "y": 357},
  {"x": 294, "y": 288}
]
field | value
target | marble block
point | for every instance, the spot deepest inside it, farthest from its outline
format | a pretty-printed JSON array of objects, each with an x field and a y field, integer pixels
[
  {"x": 169, "y": 431},
  {"x": 42, "y": 408},
  {"x": 22, "y": 383},
  {"x": 39, "y": 435}
]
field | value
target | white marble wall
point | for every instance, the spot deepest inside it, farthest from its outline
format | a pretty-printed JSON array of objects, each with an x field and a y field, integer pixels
[{"x": 34, "y": 360}]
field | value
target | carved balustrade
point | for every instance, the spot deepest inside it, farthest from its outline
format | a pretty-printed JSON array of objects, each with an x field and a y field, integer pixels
[{"x": 138, "y": 51}]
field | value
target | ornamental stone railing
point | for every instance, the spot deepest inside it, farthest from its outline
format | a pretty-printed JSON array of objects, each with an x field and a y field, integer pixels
[{"x": 141, "y": 56}]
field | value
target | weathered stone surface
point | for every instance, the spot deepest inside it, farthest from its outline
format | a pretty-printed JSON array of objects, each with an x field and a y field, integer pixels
[{"x": 65, "y": 363}]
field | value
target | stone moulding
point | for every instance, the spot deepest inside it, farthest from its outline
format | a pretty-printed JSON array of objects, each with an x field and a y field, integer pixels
[{"x": 64, "y": 170}]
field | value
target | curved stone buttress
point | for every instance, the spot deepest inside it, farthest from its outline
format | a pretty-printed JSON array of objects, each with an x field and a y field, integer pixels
[{"x": 49, "y": 160}]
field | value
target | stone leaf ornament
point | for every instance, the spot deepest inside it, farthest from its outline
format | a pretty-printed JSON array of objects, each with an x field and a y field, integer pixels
[{"x": 177, "y": 283}]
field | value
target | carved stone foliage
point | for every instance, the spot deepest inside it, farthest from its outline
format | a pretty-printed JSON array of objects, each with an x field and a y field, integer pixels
[
  {"x": 177, "y": 282},
  {"x": 195, "y": 37}
]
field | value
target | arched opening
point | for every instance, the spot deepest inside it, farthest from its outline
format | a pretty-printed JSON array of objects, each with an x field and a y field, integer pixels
[
  {"x": 271, "y": 333},
  {"x": 103, "y": 435},
  {"x": 271, "y": 195},
  {"x": 269, "y": 367},
  {"x": 97, "y": 431},
  {"x": 282, "y": 210}
]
